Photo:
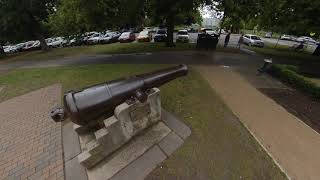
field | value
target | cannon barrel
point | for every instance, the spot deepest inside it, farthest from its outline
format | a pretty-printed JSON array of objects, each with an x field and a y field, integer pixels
[{"x": 100, "y": 100}]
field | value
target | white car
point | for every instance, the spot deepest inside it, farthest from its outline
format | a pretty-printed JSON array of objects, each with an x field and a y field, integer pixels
[
  {"x": 306, "y": 39},
  {"x": 110, "y": 37},
  {"x": 56, "y": 42},
  {"x": 6, "y": 49},
  {"x": 252, "y": 40},
  {"x": 183, "y": 36},
  {"x": 28, "y": 45},
  {"x": 144, "y": 36},
  {"x": 285, "y": 37},
  {"x": 212, "y": 32},
  {"x": 18, "y": 47},
  {"x": 95, "y": 38}
]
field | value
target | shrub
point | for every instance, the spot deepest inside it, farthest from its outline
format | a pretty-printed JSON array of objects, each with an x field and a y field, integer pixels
[{"x": 289, "y": 75}]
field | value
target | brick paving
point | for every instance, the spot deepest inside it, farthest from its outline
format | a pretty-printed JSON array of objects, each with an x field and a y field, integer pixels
[{"x": 30, "y": 142}]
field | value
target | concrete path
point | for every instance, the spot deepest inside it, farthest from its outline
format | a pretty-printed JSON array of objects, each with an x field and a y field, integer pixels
[
  {"x": 30, "y": 142},
  {"x": 292, "y": 144}
]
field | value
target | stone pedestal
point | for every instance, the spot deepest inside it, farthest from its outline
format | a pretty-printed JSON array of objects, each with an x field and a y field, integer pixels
[{"x": 129, "y": 120}]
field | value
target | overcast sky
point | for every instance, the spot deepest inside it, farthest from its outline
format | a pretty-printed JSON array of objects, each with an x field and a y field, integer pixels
[{"x": 207, "y": 12}]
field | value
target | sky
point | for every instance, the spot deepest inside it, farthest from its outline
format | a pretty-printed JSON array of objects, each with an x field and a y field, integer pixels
[{"x": 206, "y": 12}]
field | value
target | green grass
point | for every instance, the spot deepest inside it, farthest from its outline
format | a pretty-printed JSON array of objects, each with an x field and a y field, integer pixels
[
  {"x": 220, "y": 147},
  {"x": 283, "y": 51},
  {"x": 115, "y": 48},
  {"x": 290, "y": 75},
  {"x": 314, "y": 80},
  {"x": 260, "y": 33}
]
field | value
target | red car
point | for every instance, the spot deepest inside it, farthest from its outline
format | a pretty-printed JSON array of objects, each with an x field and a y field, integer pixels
[{"x": 127, "y": 37}]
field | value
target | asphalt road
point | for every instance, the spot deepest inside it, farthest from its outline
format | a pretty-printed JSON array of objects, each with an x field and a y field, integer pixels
[{"x": 182, "y": 57}]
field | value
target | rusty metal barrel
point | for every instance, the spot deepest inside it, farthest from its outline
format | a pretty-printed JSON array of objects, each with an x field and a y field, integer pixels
[{"x": 92, "y": 103}]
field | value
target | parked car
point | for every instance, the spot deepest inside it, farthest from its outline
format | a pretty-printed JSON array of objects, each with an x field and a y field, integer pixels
[
  {"x": 148, "y": 29},
  {"x": 285, "y": 37},
  {"x": 127, "y": 37},
  {"x": 161, "y": 36},
  {"x": 18, "y": 47},
  {"x": 110, "y": 37},
  {"x": 183, "y": 36},
  {"x": 57, "y": 42},
  {"x": 268, "y": 35},
  {"x": 306, "y": 39},
  {"x": 36, "y": 46},
  {"x": 76, "y": 40},
  {"x": 10, "y": 49},
  {"x": 88, "y": 35},
  {"x": 212, "y": 32},
  {"x": 95, "y": 38},
  {"x": 252, "y": 40},
  {"x": 6, "y": 48},
  {"x": 204, "y": 30},
  {"x": 28, "y": 45},
  {"x": 144, "y": 36}
]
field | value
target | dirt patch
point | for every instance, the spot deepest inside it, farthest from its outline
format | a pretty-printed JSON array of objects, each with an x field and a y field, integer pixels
[{"x": 302, "y": 106}]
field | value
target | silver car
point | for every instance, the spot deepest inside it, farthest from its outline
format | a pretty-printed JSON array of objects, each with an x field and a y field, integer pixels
[{"x": 252, "y": 40}]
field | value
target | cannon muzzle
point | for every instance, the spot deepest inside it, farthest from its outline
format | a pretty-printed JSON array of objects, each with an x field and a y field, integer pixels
[{"x": 92, "y": 103}]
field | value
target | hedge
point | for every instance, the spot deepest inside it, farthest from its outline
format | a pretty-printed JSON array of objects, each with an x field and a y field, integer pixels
[{"x": 289, "y": 75}]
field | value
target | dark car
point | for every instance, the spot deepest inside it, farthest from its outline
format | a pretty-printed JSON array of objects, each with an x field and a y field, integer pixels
[{"x": 161, "y": 36}]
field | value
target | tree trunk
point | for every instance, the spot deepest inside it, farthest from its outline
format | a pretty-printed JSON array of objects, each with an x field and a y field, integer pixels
[
  {"x": 277, "y": 42},
  {"x": 37, "y": 32},
  {"x": 170, "y": 29},
  {"x": 2, "y": 53},
  {"x": 43, "y": 43},
  {"x": 317, "y": 51},
  {"x": 221, "y": 23}
]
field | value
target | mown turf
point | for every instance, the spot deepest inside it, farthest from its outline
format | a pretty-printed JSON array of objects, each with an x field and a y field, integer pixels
[
  {"x": 284, "y": 52},
  {"x": 115, "y": 48},
  {"x": 219, "y": 147}
]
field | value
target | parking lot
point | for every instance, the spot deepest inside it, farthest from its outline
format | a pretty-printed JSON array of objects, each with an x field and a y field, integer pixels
[{"x": 107, "y": 37}]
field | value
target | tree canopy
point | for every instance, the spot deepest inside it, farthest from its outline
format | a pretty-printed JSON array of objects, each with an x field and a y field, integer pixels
[
  {"x": 24, "y": 19},
  {"x": 33, "y": 19}
]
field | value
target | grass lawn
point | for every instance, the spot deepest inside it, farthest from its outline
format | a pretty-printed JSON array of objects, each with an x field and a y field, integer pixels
[
  {"x": 116, "y": 48},
  {"x": 314, "y": 80},
  {"x": 284, "y": 51},
  {"x": 220, "y": 147},
  {"x": 259, "y": 33}
]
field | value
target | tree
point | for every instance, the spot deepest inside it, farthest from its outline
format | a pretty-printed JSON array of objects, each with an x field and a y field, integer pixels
[
  {"x": 236, "y": 12},
  {"x": 317, "y": 51},
  {"x": 78, "y": 16},
  {"x": 290, "y": 16},
  {"x": 2, "y": 53},
  {"x": 169, "y": 12},
  {"x": 24, "y": 19}
]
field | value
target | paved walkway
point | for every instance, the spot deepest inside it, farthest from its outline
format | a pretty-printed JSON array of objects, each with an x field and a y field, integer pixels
[
  {"x": 30, "y": 142},
  {"x": 293, "y": 145}
]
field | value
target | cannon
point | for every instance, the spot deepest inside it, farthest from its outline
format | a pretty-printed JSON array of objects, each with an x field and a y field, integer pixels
[{"x": 88, "y": 105}]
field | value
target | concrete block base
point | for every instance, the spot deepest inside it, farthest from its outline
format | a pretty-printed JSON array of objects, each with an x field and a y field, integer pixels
[
  {"x": 129, "y": 120},
  {"x": 136, "y": 150},
  {"x": 138, "y": 158}
]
